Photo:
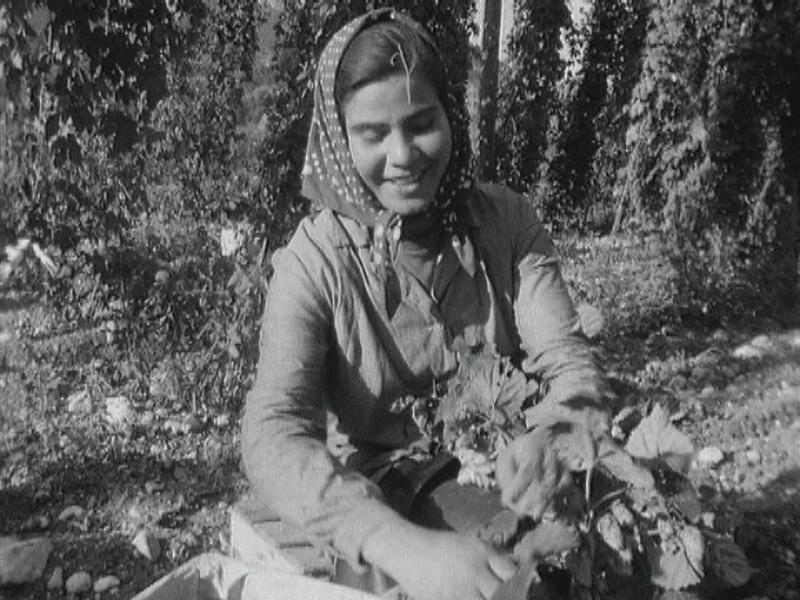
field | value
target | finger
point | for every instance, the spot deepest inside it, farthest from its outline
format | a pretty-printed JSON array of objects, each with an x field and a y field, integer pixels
[
  {"x": 565, "y": 481},
  {"x": 506, "y": 468},
  {"x": 520, "y": 483},
  {"x": 540, "y": 493},
  {"x": 488, "y": 585},
  {"x": 502, "y": 565}
]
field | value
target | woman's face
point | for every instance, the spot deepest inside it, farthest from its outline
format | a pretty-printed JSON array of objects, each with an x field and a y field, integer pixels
[{"x": 400, "y": 141}]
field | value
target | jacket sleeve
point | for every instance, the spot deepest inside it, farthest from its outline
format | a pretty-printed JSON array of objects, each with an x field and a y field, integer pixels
[
  {"x": 550, "y": 330},
  {"x": 284, "y": 449}
]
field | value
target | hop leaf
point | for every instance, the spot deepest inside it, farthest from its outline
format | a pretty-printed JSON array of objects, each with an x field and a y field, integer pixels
[
  {"x": 611, "y": 533},
  {"x": 655, "y": 438},
  {"x": 548, "y": 538},
  {"x": 677, "y": 562},
  {"x": 621, "y": 556},
  {"x": 622, "y": 466},
  {"x": 727, "y": 561}
]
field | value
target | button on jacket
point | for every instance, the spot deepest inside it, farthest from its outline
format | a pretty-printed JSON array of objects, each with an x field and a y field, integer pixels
[{"x": 334, "y": 338}]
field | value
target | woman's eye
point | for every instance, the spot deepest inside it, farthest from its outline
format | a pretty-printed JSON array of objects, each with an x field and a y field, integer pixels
[
  {"x": 372, "y": 136},
  {"x": 422, "y": 126}
]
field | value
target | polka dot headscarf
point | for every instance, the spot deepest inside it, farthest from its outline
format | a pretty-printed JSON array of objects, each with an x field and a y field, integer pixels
[{"x": 329, "y": 177}]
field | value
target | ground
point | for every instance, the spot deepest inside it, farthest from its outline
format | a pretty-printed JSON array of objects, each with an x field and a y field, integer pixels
[{"x": 735, "y": 387}]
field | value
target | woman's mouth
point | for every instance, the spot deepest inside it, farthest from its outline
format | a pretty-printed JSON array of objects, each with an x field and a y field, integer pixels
[{"x": 408, "y": 181}]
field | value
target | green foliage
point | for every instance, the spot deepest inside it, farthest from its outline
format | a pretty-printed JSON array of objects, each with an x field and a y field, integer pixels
[
  {"x": 79, "y": 83},
  {"x": 683, "y": 116},
  {"x": 709, "y": 153},
  {"x": 631, "y": 527},
  {"x": 527, "y": 89},
  {"x": 576, "y": 187}
]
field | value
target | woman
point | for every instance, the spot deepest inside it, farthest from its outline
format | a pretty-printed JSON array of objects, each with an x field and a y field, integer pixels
[{"x": 405, "y": 259}]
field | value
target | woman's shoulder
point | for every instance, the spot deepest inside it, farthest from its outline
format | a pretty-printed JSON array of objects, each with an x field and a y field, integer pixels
[
  {"x": 500, "y": 205},
  {"x": 325, "y": 232}
]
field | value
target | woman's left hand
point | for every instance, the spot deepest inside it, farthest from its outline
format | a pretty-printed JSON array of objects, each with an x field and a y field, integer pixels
[{"x": 536, "y": 466}]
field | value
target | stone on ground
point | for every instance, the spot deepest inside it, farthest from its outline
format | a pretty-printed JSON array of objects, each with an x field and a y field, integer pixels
[
  {"x": 56, "y": 581},
  {"x": 71, "y": 512},
  {"x": 118, "y": 410},
  {"x": 79, "y": 402},
  {"x": 78, "y": 583},
  {"x": 592, "y": 321},
  {"x": 105, "y": 583},
  {"x": 710, "y": 457},
  {"x": 23, "y": 561},
  {"x": 147, "y": 544}
]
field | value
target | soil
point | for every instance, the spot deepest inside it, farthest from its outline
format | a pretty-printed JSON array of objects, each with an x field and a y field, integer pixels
[{"x": 736, "y": 388}]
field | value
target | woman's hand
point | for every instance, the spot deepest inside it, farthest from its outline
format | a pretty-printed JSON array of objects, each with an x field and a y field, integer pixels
[
  {"x": 438, "y": 565},
  {"x": 536, "y": 466}
]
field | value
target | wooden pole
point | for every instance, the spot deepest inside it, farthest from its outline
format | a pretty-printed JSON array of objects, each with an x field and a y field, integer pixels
[{"x": 487, "y": 96}]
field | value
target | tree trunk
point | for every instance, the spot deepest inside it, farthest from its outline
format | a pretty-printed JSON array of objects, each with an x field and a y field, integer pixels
[{"x": 487, "y": 98}]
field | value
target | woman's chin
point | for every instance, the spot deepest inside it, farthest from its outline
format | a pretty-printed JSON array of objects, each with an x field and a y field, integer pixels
[{"x": 406, "y": 205}]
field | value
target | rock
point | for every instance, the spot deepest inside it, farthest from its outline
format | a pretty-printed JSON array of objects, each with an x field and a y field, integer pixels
[
  {"x": 23, "y": 561},
  {"x": 794, "y": 339},
  {"x": 679, "y": 382},
  {"x": 161, "y": 277},
  {"x": 758, "y": 347},
  {"x": 181, "y": 474},
  {"x": 720, "y": 336},
  {"x": 710, "y": 457},
  {"x": 36, "y": 523},
  {"x": 71, "y": 512},
  {"x": 592, "y": 321},
  {"x": 700, "y": 374},
  {"x": 753, "y": 457},
  {"x": 79, "y": 583},
  {"x": 105, "y": 583},
  {"x": 191, "y": 424},
  {"x": 79, "y": 402},
  {"x": 147, "y": 544},
  {"x": 173, "y": 426},
  {"x": 708, "y": 519},
  {"x": 165, "y": 381},
  {"x": 707, "y": 391},
  {"x": 222, "y": 420},
  {"x": 56, "y": 581},
  {"x": 118, "y": 410},
  {"x": 153, "y": 486},
  {"x": 678, "y": 416}
]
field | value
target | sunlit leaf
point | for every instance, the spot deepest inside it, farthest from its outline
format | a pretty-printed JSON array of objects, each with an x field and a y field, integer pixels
[
  {"x": 621, "y": 465},
  {"x": 548, "y": 538},
  {"x": 677, "y": 562},
  {"x": 655, "y": 438}
]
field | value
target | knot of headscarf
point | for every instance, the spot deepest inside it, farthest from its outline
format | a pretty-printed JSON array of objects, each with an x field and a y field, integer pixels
[{"x": 329, "y": 176}]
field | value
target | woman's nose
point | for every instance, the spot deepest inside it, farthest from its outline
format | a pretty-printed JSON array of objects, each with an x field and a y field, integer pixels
[{"x": 401, "y": 150}]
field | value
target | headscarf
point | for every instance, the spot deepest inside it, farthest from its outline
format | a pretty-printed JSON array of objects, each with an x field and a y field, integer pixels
[{"x": 329, "y": 176}]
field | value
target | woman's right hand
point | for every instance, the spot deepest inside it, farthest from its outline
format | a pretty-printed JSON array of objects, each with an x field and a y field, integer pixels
[{"x": 437, "y": 565}]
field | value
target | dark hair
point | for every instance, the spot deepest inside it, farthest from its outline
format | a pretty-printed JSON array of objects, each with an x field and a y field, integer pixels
[{"x": 387, "y": 48}]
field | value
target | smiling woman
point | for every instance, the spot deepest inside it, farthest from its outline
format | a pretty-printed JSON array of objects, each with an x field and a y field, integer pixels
[{"x": 407, "y": 264}]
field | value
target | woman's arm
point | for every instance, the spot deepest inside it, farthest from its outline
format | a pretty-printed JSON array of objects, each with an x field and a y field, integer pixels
[
  {"x": 550, "y": 329},
  {"x": 284, "y": 425},
  {"x": 573, "y": 413}
]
